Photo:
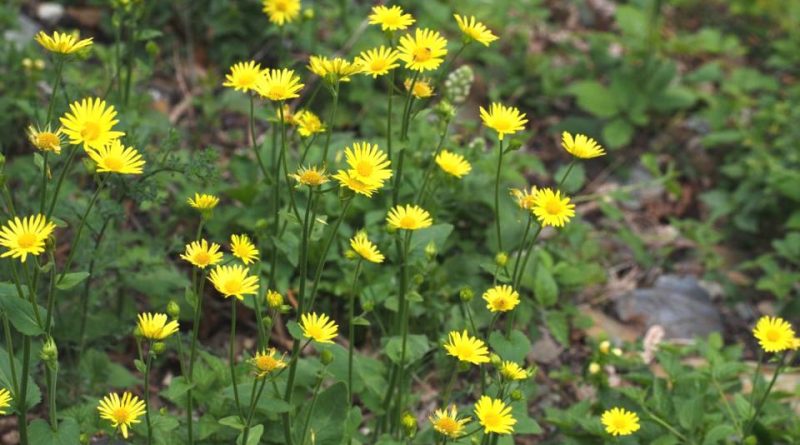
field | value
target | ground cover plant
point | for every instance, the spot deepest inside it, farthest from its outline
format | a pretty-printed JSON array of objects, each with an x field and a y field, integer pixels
[{"x": 399, "y": 223}]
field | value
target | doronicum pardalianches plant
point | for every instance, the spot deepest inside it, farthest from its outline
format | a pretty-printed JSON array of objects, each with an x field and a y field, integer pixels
[{"x": 337, "y": 274}]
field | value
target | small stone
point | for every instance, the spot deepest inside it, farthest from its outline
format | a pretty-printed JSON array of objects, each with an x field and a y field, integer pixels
[{"x": 50, "y": 12}]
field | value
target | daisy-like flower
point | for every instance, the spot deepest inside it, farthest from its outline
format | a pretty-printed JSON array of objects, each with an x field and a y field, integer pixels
[
  {"x": 494, "y": 416},
  {"x": 243, "y": 76},
  {"x": 116, "y": 158},
  {"x": 155, "y": 326},
  {"x": 378, "y": 61},
  {"x": 446, "y": 422},
  {"x": 501, "y": 298},
  {"x": 453, "y": 164},
  {"x": 424, "y": 51},
  {"x": 45, "y": 140},
  {"x": 475, "y": 30},
  {"x": 203, "y": 201},
  {"x": 467, "y": 349},
  {"x": 274, "y": 299},
  {"x": 311, "y": 176},
  {"x": 581, "y": 146},
  {"x": 551, "y": 209},
  {"x": 348, "y": 180},
  {"x": 281, "y": 12},
  {"x": 409, "y": 217},
  {"x": 513, "y": 371},
  {"x": 504, "y": 120},
  {"x": 620, "y": 422},
  {"x": 390, "y": 18},
  {"x": 243, "y": 248},
  {"x": 368, "y": 163},
  {"x": 90, "y": 122},
  {"x": 277, "y": 84},
  {"x": 23, "y": 237},
  {"x": 288, "y": 116},
  {"x": 201, "y": 254},
  {"x": 5, "y": 400},
  {"x": 422, "y": 88},
  {"x": 333, "y": 70},
  {"x": 123, "y": 411},
  {"x": 266, "y": 362},
  {"x": 308, "y": 123},
  {"x": 319, "y": 328},
  {"x": 62, "y": 43},
  {"x": 233, "y": 281},
  {"x": 774, "y": 334},
  {"x": 365, "y": 248},
  {"x": 525, "y": 199}
]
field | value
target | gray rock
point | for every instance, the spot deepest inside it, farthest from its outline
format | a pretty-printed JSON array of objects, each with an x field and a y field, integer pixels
[{"x": 678, "y": 303}]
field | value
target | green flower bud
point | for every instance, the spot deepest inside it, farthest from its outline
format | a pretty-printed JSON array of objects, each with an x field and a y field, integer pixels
[
  {"x": 262, "y": 224},
  {"x": 159, "y": 347},
  {"x": 501, "y": 259},
  {"x": 516, "y": 395},
  {"x": 267, "y": 323},
  {"x": 308, "y": 13},
  {"x": 49, "y": 352},
  {"x": 445, "y": 110},
  {"x": 274, "y": 299},
  {"x": 152, "y": 49},
  {"x": 326, "y": 357},
  {"x": 466, "y": 294},
  {"x": 173, "y": 309},
  {"x": 431, "y": 251},
  {"x": 495, "y": 360},
  {"x": 409, "y": 423},
  {"x": 419, "y": 279},
  {"x": 368, "y": 306},
  {"x": 751, "y": 440}
]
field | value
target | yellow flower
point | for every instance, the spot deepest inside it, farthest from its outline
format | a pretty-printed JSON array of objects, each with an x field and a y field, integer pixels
[
  {"x": 23, "y": 237},
  {"x": 365, "y": 248},
  {"x": 525, "y": 199},
  {"x": 116, "y": 158},
  {"x": 311, "y": 176},
  {"x": 122, "y": 412},
  {"x": 422, "y": 88},
  {"x": 318, "y": 327},
  {"x": 501, "y": 298},
  {"x": 453, "y": 163},
  {"x": 265, "y": 362},
  {"x": 243, "y": 76},
  {"x": 333, "y": 70},
  {"x": 243, "y": 248},
  {"x": 45, "y": 140},
  {"x": 774, "y": 334},
  {"x": 494, "y": 416},
  {"x": 504, "y": 120},
  {"x": 233, "y": 281},
  {"x": 378, "y": 61},
  {"x": 62, "y": 43},
  {"x": 281, "y": 12},
  {"x": 390, "y": 19},
  {"x": 348, "y": 180},
  {"x": 201, "y": 254},
  {"x": 289, "y": 117},
  {"x": 155, "y": 326},
  {"x": 277, "y": 84},
  {"x": 203, "y": 201},
  {"x": 475, "y": 30},
  {"x": 447, "y": 423},
  {"x": 5, "y": 400},
  {"x": 368, "y": 163},
  {"x": 581, "y": 146},
  {"x": 424, "y": 51},
  {"x": 513, "y": 371},
  {"x": 90, "y": 122},
  {"x": 274, "y": 299},
  {"x": 467, "y": 349},
  {"x": 308, "y": 123},
  {"x": 410, "y": 217},
  {"x": 620, "y": 422},
  {"x": 551, "y": 209}
]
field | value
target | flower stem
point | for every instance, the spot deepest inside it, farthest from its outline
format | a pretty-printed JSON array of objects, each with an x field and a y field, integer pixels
[
  {"x": 148, "y": 365},
  {"x": 22, "y": 395},
  {"x": 232, "y": 359},
  {"x": 352, "y": 331},
  {"x": 256, "y": 148},
  {"x": 389, "y": 101},
  {"x": 81, "y": 225},
  {"x": 254, "y": 397},
  {"x": 313, "y": 405},
  {"x": 51, "y": 107},
  {"x": 497, "y": 198},
  {"x": 429, "y": 170},
  {"x": 760, "y": 405},
  {"x": 403, "y": 319},
  {"x": 198, "y": 314},
  {"x": 331, "y": 122},
  {"x": 60, "y": 181},
  {"x": 326, "y": 247}
]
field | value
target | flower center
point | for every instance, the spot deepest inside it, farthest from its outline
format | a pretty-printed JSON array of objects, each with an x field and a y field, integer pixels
[
  {"x": 620, "y": 424},
  {"x": 277, "y": 92},
  {"x": 114, "y": 163},
  {"x": 246, "y": 79},
  {"x": 773, "y": 335},
  {"x": 553, "y": 207},
  {"x": 500, "y": 303},
  {"x": 491, "y": 420},
  {"x": 281, "y": 6},
  {"x": 27, "y": 240},
  {"x": 448, "y": 425},
  {"x": 265, "y": 363},
  {"x": 47, "y": 140},
  {"x": 90, "y": 131},
  {"x": 407, "y": 222},
  {"x": 121, "y": 415},
  {"x": 364, "y": 168},
  {"x": 202, "y": 257},
  {"x": 422, "y": 54},
  {"x": 378, "y": 65},
  {"x": 233, "y": 286}
]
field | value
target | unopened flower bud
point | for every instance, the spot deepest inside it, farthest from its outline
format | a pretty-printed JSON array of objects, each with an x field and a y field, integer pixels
[
  {"x": 173, "y": 309},
  {"x": 605, "y": 346},
  {"x": 39, "y": 64},
  {"x": 466, "y": 294},
  {"x": 267, "y": 323},
  {"x": 419, "y": 279},
  {"x": 501, "y": 259},
  {"x": 159, "y": 347},
  {"x": 431, "y": 251},
  {"x": 262, "y": 224},
  {"x": 152, "y": 48},
  {"x": 617, "y": 352},
  {"x": 49, "y": 352},
  {"x": 496, "y": 360},
  {"x": 445, "y": 110},
  {"x": 368, "y": 306},
  {"x": 308, "y": 13},
  {"x": 516, "y": 395},
  {"x": 326, "y": 357},
  {"x": 594, "y": 368},
  {"x": 274, "y": 299},
  {"x": 409, "y": 423}
]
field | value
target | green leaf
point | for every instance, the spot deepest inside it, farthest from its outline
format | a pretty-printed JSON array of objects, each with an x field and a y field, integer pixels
[
  {"x": 68, "y": 433},
  {"x": 19, "y": 311},
  {"x": 34, "y": 395},
  {"x": 617, "y": 133},
  {"x": 328, "y": 418},
  {"x": 514, "y": 348},
  {"x": 416, "y": 347},
  {"x": 594, "y": 98},
  {"x": 545, "y": 288},
  {"x": 437, "y": 234},
  {"x": 71, "y": 280},
  {"x": 718, "y": 433},
  {"x": 360, "y": 321},
  {"x": 558, "y": 326},
  {"x": 232, "y": 421},
  {"x": 253, "y": 436}
]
